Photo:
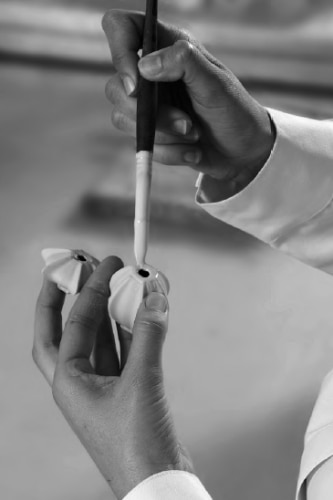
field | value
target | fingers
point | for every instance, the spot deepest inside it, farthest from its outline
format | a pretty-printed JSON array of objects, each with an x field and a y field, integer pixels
[
  {"x": 125, "y": 341},
  {"x": 180, "y": 154},
  {"x": 48, "y": 328},
  {"x": 173, "y": 125},
  {"x": 86, "y": 317},
  {"x": 148, "y": 335},
  {"x": 125, "y": 124},
  {"x": 183, "y": 61},
  {"x": 124, "y": 32},
  {"x": 116, "y": 94},
  {"x": 105, "y": 356}
]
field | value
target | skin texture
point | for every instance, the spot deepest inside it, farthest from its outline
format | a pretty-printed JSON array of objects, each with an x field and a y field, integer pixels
[
  {"x": 118, "y": 409},
  {"x": 206, "y": 120}
]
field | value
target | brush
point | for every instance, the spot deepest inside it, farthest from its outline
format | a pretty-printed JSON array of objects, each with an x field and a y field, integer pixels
[{"x": 145, "y": 137}]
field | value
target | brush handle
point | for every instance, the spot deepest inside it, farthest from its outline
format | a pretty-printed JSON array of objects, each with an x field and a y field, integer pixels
[
  {"x": 147, "y": 91},
  {"x": 144, "y": 161},
  {"x": 145, "y": 138}
]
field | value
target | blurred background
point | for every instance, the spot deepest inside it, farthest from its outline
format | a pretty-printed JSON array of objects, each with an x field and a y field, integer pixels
[{"x": 251, "y": 330}]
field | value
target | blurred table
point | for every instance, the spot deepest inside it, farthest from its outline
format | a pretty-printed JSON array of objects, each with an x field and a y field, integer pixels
[{"x": 296, "y": 54}]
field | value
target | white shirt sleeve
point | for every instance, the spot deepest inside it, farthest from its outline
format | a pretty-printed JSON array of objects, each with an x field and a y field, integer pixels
[
  {"x": 318, "y": 442},
  {"x": 170, "y": 485},
  {"x": 289, "y": 206}
]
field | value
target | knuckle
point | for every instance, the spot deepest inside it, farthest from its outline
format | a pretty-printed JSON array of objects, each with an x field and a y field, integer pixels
[
  {"x": 162, "y": 138},
  {"x": 119, "y": 58},
  {"x": 72, "y": 368},
  {"x": 62, "y": 390},
  {"x": 111, "y": 89},
  {"x": 164, "y": 155},
  {"x": 110, "y": 18},
  {"x": 118, "y": 119},
  {"x": 41, "y": 305},
  {"x": 84, "y": 320},
  {"x": 184, "y": 50},
  {"x": 153, "y": 325},
  {"x": 56, "y": 391},
  {"x": 99, "y": 291},
  {"x": 40, "y": 352},
  {"x": 42, "y": 355}
]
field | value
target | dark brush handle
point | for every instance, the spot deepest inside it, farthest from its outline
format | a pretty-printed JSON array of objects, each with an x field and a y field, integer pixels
[{"x": 147, "y": 91}]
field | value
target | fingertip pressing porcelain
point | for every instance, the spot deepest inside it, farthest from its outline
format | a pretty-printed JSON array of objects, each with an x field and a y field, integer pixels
[
  {"x": 69, "y": 269},
  {"x": 129, "y": 286}
]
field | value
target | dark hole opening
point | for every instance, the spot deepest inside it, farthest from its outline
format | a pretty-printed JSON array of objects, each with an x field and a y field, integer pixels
[
  {"x": 143, "y": 273},
  {"x": 81, "y": 258}
]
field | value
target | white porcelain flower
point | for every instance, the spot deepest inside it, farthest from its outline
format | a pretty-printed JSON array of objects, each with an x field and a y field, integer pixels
[
  {"x": 69, "y": 269},
  {"x": 129, "y": 286}
]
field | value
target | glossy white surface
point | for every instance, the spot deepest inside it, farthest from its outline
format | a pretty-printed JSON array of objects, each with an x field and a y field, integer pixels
[
  {"x": 129, "y": 286},
  {"x": 69, "y": 269}
]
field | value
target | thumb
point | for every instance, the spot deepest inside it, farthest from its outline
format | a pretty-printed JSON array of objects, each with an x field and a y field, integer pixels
[
  {"x": 184, "y": 61},
  {"x": 149, "y": 332}
]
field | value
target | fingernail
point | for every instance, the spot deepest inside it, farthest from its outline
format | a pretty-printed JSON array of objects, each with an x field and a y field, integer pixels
[
  {"x": 129, "y": 84},
  {"x": 151, "y": 64},
  {"x": 182, "y": 126},
  {"x": 193, "y": 157},
  {"x": 157, "y": 302}
]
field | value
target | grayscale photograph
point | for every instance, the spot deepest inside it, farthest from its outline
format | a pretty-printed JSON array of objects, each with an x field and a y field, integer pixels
[{"x": 166, "y": 258}]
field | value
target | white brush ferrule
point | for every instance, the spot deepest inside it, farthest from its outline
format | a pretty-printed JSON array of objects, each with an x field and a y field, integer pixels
[{"x": 144, "y": 162}]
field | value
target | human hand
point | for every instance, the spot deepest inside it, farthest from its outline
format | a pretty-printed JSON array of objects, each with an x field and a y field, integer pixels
[
  {"x": 207, "y": 120},
  {"x": 118, "y": 410}
]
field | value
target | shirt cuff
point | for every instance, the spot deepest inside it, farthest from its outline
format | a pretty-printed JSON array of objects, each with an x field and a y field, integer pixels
[
  {"x": 318, "y": 442},
  {"x": 295, "y": 184},
  {"x": 170, "y": 485}
]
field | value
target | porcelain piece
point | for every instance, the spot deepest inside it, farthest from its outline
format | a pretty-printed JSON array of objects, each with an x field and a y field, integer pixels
[
  {"x": 69, "y": 269},
  {"x": 129, "y": 286}
]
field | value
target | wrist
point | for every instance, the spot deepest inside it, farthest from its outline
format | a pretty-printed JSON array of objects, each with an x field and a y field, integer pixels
[
  {"x": 263, "y": 141},
  {"x": 258, "y": 151},
  {"x": 214, "y": 189},
  {"x": 139, "y": 469},
  {"x": 246, "y": 168}
]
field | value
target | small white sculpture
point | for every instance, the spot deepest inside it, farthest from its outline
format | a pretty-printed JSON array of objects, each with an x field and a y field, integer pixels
[
  {"x": 69, "y": 269},
  {"x": 129, "y": 286}
]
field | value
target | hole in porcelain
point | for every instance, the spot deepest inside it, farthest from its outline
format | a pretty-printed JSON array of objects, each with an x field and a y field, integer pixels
[
  {"x": 80, "y": 257},
  {"x": 144, "y": 273}
]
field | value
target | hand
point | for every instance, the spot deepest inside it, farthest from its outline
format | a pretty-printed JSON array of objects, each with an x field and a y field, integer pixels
[
  {"x": 207, "y": 120},
  {"x": 119, "y": 412}
]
